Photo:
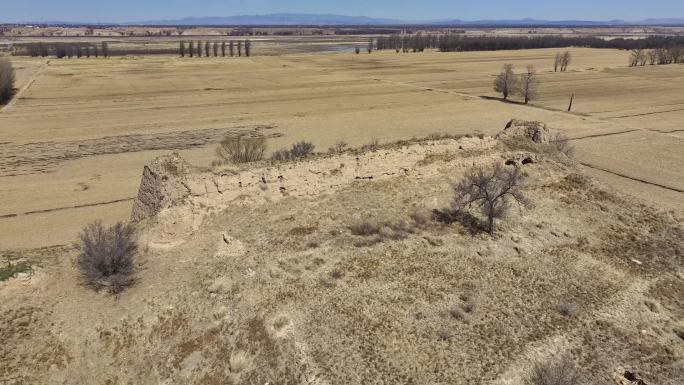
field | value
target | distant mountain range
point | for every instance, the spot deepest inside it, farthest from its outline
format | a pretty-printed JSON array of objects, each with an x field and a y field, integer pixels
[
  {"x": 291, "y": 19},
  {"x": 286, "y": 19}
]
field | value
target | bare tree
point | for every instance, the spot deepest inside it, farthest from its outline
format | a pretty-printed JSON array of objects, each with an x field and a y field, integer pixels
[
  {"x": 6, "y": 81},
  {"x": 357, "y": 50},
  {"x": 239, "y": 47},
  {"x": 191, "y": 49},
  {"x": 216, "y": 47},
  {"x": 506, "y": 82},
  {"x": 181, "y": 49},
  {"x": 248, "y": 47},
  {"x": 637, "y": 57},
  {"x": 566, "y": 59},
  {"x": 370, "y": 46},
  {"x": 529, "y": 84},
  {"x": 490, "y": 190},
  {"x": 557, "y": 62},
  {"x": 207, "y": 48},
  {"x": 232, "y": 48},
  {"x": 652, "y": 57},
  {"x": 223, "y": 49},
  {"x": 199, "y": 48},
  {"x": 105, "y": 49}
]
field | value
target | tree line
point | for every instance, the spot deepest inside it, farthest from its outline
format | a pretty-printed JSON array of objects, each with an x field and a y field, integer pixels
[
  {"x": 6, "y": 80},
  {"x": 660, "y": 56},
  {"x": 458, "y": 42},
  {"x": 232, "y": 48},
  {"x": 66, "y": 50}
]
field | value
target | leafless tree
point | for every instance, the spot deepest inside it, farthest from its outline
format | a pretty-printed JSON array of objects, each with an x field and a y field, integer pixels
[
  {"x": 223, "y": 49},
  {"x": 181, "y": 49},
  {"x": 191, "y": 48},
  {"x": 207, "y": 48},
  {"x": 105, "y": 49},
  {"x": 652, "y": 57},
  {"x": 106, "y": 256},
  {"x": 239, "y": 47},
  {"x": 357, "y": 50},
  {"x": 490, "y": 190},
  {"x": 216, "y": 47},
  {"x": 6, "y": 81},
  {"x": 199, "y": 48},
  {"x": 566, "y": 59},
  {"x": 506, "y": 82},
  {"x": 370, "y": 46},
  {"x": 637, "y": 57},
  {"x": 557, "y": 62},
  {"x": 232, "y": 48},
  {"x": 248, "y": 47},
  {"x": 529, "y": 84}
]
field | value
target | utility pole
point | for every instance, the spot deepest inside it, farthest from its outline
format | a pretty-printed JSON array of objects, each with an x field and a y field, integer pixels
[{"x": 570, "y": 106}]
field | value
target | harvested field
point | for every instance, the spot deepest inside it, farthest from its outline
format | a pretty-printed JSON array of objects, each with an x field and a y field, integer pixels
[{"x": 96, "y": 122}]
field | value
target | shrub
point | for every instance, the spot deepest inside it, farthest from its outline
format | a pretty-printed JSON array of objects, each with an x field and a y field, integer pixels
[
  {"x": 106, "y": 256},
  {"x": 490, "y": 190},
  {"x": 567, "y": 307},
  {"x": 6, "y": 81},
  {"x": 241, "y": 149},
  {"x": 338, "y": 148},
  {"x": 561, "y": 144},
  {"x": 562, "y": 372},
  {"x": 298, "y": 150}
]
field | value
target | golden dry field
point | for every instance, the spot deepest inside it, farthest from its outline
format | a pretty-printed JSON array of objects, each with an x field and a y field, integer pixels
[{"x": 74, "y": 140}]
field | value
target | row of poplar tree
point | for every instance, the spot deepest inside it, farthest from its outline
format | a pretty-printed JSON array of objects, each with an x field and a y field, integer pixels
[{"x": 231, "y": 48}]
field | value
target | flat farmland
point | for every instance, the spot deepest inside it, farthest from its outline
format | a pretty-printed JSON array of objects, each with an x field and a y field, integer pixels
[{"x": 75, "y": 139}]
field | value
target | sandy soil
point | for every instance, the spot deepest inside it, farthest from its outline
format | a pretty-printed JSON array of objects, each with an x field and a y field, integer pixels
[{"x": 80, "y": 130}]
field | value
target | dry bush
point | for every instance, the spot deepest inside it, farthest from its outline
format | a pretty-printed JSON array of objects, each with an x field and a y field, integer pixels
[
  {"x": 338, "y": 148},
  {"x": 6, "y": 81},
  {"x": 241, "y": 149},
  {"x": 106, "y": 256},
  {"x": 490, "y": 190},
  {"x": 301, "y": 149},
  {"x": 561, "y": 144},
  {"x": 365, "y": 228},
  {"x": 562, "y": 372}
]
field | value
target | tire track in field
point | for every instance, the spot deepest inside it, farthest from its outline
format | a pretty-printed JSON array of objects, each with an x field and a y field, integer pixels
[{"x": 675, "y": 189}]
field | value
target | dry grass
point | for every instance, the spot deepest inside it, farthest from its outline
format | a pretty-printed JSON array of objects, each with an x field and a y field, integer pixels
[{"x": 562, "y": 372}]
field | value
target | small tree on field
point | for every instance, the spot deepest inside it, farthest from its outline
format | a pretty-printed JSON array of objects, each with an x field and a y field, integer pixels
[
  {"x": 566, "y": 59},
  {"x": 191, "y": 49},
  {"x": 529, "y": 84},
  {"x": 357, "y": 50},
  {"x": 556, "y": 62},
  {"x": 87, "y": 51},
  {"x": 652, "y": 57},
  {"x": 6, "y": 81},
  {"x": 199, "y": 48},
  {"x": 223, "y": 49},
  {"x": 207, "y": 48},
  {"x": 105, "y": 49},
  {"x": 370, "y": 46},
  {"x": 216, "y": 47},
  {"x": 506, "y": 82},
  {"x": 181, "y": 49},
  {"x": 239, "y": 47},
  {"x": 106, "y": 256},
  {"x": 96, "y": 51},
  {"x": 232, "y": 48},
  {"x": 490, "y": 190}
]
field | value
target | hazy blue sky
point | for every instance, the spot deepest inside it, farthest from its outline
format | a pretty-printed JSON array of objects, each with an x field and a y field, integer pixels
[{"x": 137, "y": 10}]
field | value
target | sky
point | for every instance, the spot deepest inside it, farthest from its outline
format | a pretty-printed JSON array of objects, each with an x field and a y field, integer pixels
[{"x": 412, "y": 10}]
